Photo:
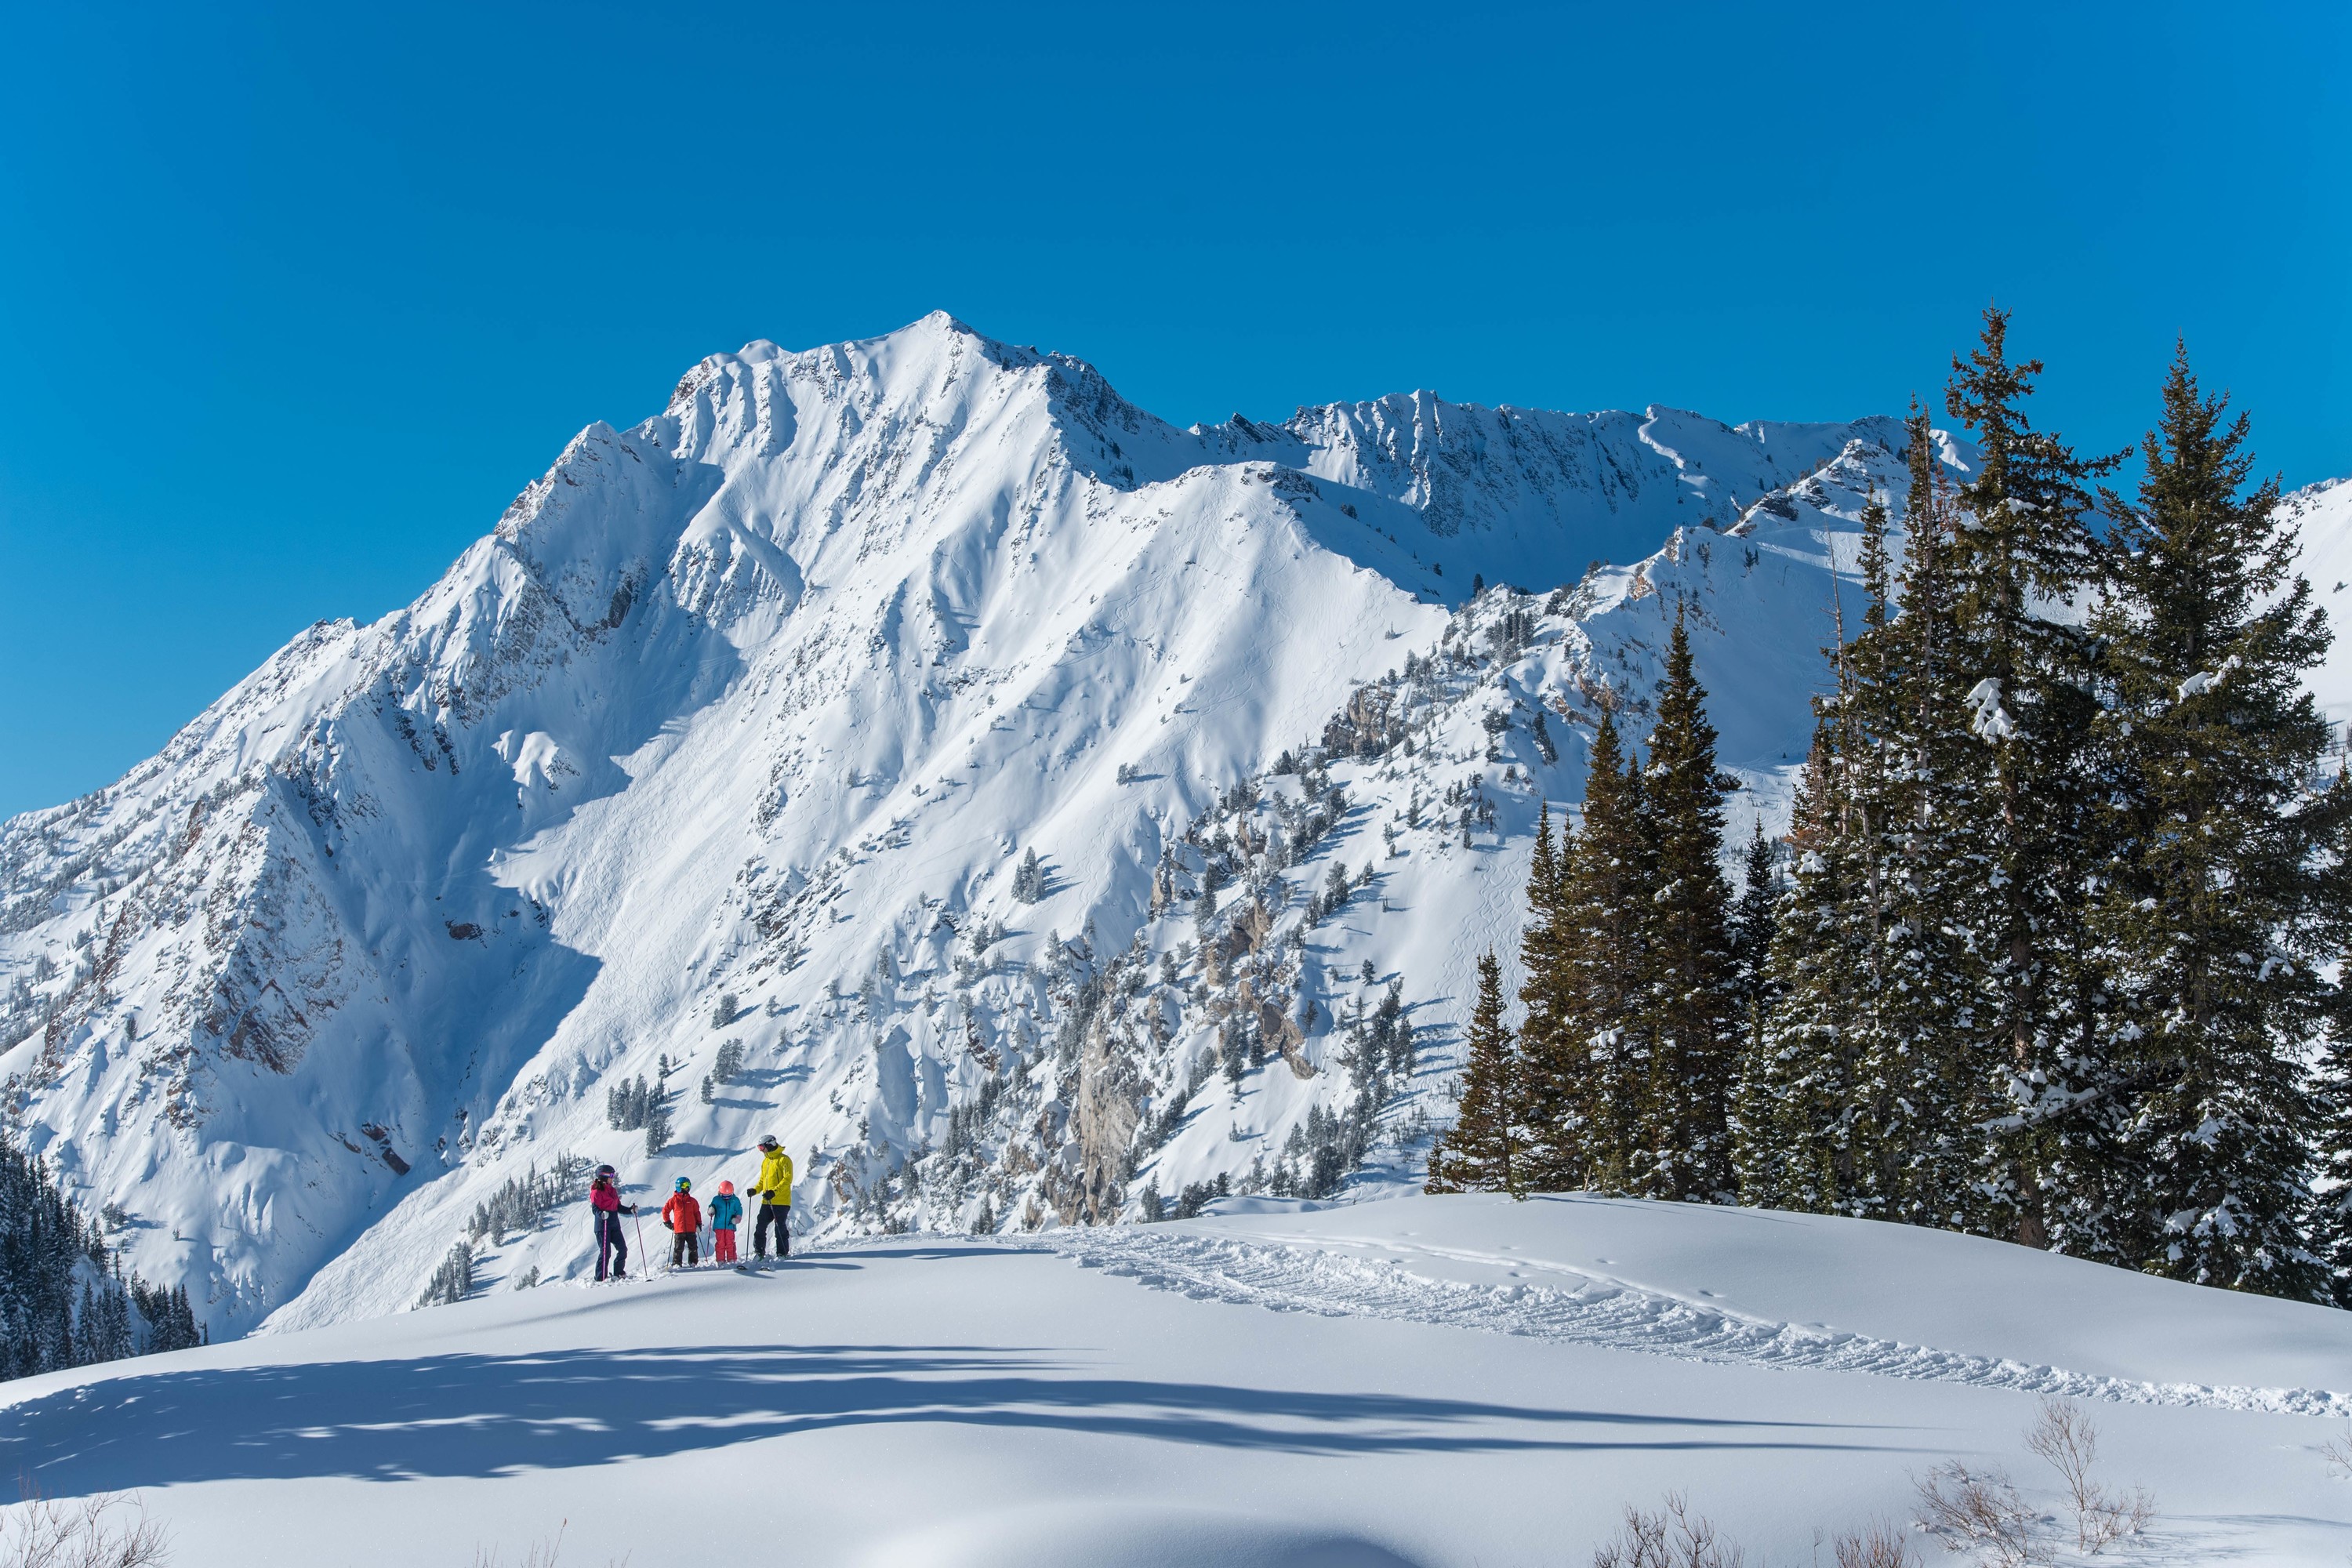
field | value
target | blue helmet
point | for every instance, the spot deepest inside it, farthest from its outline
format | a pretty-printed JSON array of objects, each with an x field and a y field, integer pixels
[{"x": 684, "y": 1186}]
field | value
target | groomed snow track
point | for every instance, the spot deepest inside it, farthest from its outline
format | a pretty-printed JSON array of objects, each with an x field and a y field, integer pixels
[{"x": 1590, "y": 1310}]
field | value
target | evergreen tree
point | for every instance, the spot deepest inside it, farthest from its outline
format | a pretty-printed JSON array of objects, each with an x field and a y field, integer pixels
[
  {"x": 1029, "y": 879},
  {"x": 656, "y": 1123},
  {"x": 1481, "y": 1152},
  {"x": 1884, "y": 1039},
  {"x": 1551, "y": 1076},
  {"x": 1857, "y": 1058},
  {"x": 2026, "y": 806},
  {"x": 1752, "y": 924},
  {"x": 1916, "y": 1149},
  {"x": 2219, "y": 917},
  {"x": 1754, "y": 919},
  {"x": 1688, "y": 1013},
  {"x": 62, "y": 1303},
  {"x": 1588, "y": 1085},
  {"x": 1798, "y": 1089}
]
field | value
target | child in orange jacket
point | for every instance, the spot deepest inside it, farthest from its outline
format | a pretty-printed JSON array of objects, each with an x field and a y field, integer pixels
[{"x": 684, "y": 1217}]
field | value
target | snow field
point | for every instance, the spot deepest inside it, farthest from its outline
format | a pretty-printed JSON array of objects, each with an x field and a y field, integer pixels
[
  {"x": 1369, "y": 1261},
  {"x": 958, "y": 1402}
]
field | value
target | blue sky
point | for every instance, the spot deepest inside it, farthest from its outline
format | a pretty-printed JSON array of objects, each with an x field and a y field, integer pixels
[{"x": 293, "y": 301}]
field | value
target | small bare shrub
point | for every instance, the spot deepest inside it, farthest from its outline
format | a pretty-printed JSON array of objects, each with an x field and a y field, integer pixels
[
  {"x": 2062, "y": 1435},
  {"x": 1978, "y": 1511},
  {"x": 1674, "y": 1537},
  {"x": 543, "y": 1554},
  {"x": 1878, "y": 1544},
  {"x": 41, "y": 1534},
  {"x": 2337, "y": 1452}
]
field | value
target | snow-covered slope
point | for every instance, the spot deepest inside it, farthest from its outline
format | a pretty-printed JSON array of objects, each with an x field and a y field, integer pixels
[
  {"x": 2321, "y": 515},
  {"x": 736, "y": 730},
  {"x": 1438, "y": 1382}
]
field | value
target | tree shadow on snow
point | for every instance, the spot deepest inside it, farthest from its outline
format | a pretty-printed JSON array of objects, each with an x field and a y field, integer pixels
[{"x": 482, "y": 1416}]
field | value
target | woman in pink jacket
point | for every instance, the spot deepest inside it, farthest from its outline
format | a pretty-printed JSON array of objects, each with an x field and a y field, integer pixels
[{"x": 606, "y": 1207}]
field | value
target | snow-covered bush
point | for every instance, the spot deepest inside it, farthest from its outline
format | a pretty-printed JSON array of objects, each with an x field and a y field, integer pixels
[{"x": 1029, "y": 882}]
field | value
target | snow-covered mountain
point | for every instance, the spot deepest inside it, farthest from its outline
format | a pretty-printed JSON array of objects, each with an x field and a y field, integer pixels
[{"x": 736, "y": 731}]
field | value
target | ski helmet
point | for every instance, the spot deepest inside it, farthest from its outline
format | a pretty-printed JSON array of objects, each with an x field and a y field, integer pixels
[
  {"x": 725, "y": 1186},
  {"x": 768, "y": 1142},
  {"x": 683, "y": 1185},
  {"x": 605, "y": 1173}
]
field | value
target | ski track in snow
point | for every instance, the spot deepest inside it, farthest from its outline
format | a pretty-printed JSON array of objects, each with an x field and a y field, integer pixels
[{"x": 1597, "y": 1311}]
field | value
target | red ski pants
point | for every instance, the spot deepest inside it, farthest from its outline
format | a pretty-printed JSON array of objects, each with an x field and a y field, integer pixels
[{"x": 722, "y": 1247}]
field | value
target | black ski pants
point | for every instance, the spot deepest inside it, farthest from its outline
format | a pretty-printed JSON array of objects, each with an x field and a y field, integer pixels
[
  {"x": 780, "y": 1216},
  {"x": 685, "y": 1247},
  {"x": 611, "y": 1244}
]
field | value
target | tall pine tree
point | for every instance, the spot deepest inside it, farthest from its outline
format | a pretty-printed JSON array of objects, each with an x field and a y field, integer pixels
[
  {"x": 1918, "y": 1148},
  {"x": 2219, "y": 917},
  {"x": 2023, "y": 549},
  {"x": 1593, "y": 1082},
  {"x": 1687, "y": 1011},
  {"x": 1480, "y": 1153},
  {"x": 1752, "y": 924},
  {"x": 1798, "y": 1092},
  {"x": 1552, "y": 1059}
]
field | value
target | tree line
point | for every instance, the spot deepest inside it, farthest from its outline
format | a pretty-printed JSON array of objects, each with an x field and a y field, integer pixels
[
  {"x": 63, "y": 1298},
  {"x": 2048, "y": 952}
]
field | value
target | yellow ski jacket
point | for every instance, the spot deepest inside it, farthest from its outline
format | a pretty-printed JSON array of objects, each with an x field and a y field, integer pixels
[{"x": 774, "y": 1182}]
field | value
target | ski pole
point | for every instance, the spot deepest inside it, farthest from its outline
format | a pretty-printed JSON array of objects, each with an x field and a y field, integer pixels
[{"x": 645, "y": 1259}]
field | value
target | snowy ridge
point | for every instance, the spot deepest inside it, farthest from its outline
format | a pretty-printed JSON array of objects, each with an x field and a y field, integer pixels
[{"x": 1594, "y": 1309}]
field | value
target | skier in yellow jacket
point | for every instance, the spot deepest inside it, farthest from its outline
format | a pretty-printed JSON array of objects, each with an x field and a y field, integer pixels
[{"x": 773, "y": 1187}]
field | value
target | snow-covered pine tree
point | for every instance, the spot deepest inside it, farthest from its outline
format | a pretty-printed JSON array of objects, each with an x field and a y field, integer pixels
[
  {"x": 1592, "y": 1084},
  {"x": 1551, "y": 1076},
  {"x": 1797, "y": 1092},
  {"x": 1916, "y": 1147},
  {"x": 2026, "y": 807},
  {"x": 103, "y": 1323},
  {"x": 60, "y": 1304},
  {"x": 1480, "y": 1153},
  {"x": 1029, "y": 879},
  {"x": 2220, "y": 913},
  {"x": 657, "y": 1124},
  {"x": 171, "y": 1321},
  {"x": 1752, "y": 923},
  {"x": 1687, "y": 1009},
  {"x": 1754, "y": 918},
  {"x": 727, "y": 1065},
  {"x": 453, "y": 1280},
  {"x": 1890, "y": 1063}
]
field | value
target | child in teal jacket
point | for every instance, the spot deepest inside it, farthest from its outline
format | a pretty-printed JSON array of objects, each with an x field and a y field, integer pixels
[{"x": 726, "y": 1214}]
